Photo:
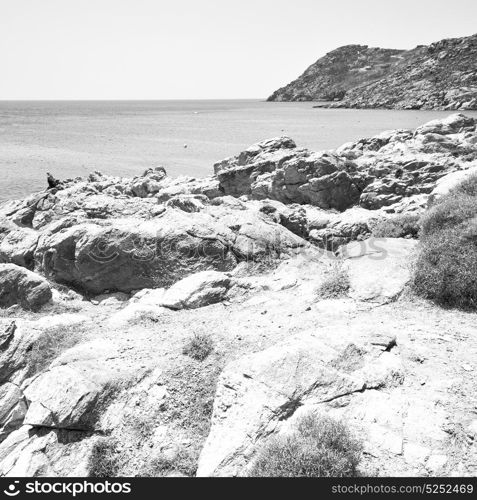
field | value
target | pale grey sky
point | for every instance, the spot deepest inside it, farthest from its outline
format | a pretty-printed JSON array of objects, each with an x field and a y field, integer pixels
[{"x": 198, "y": 49}]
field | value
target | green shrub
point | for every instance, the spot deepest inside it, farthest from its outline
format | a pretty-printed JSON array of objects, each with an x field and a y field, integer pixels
[
  {"x": 448, "y": 212},
  {"x": 446, "y": 268},
  {"x": 105, "y": 458},
  {"x": 199, "y": 346},
  {"x": 398, "y": 226},
  {"x": 319, "y": 447},
  {"x": 335, "y": 285}
]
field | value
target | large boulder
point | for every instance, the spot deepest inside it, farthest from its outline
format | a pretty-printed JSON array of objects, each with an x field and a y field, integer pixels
[
  {"x": 17, "y": 244},
  {"x": 20, "y": 286},
  {"x": 237, "y": 174},
  {"x": 277, "y": 170},
  {"x": 93, "y": 390},
  {"x": 78, "y": 386},
  {"x": 64, "y": 398},
  {"x": 322, "y": 179},
  {"x": 130, "y": 254},
  {"x": 118, "y": 417},
  {"x": 17, "y": 338}
]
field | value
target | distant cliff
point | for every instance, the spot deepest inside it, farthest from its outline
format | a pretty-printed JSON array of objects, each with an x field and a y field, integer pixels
[{"x": 442, "y": 75}]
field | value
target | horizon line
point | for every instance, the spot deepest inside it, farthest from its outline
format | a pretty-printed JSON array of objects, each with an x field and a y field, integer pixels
[{"x": 138, "y": 100}]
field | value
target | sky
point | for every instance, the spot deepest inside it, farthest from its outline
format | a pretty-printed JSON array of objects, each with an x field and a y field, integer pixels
[{"x": 198, "y": 49}]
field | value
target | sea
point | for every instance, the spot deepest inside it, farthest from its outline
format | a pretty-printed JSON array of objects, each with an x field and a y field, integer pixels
[{"x": 74, "y": 138}]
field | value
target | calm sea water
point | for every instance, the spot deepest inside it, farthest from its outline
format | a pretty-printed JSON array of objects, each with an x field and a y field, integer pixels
[{"x": 71, "y": 139}]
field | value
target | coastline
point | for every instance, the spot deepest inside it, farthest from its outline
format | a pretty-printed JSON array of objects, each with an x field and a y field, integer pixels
[
  {"x": 156, "y": 325},
  {"x": 126, "y": 140}
]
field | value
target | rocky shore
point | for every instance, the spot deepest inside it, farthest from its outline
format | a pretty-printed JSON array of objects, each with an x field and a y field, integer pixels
[
  {"x": 442, "y": 75},
  {"x": 105, "y": 280}
]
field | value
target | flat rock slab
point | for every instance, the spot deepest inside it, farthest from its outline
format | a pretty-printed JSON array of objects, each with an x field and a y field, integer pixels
[
  {"x": 74, "y": 390},
  {"x": 198, "y": 290},
  {"x": 61, "y": 398},
  {"x": 378, "y": 268},
  {"x": 257, "y": 393}
]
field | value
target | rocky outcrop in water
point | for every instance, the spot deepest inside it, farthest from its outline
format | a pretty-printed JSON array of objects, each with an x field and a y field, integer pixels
[
  {"x": 442, "y": 75},
  {"x": 374, "y": 173},
  {"x": 107, "y": 234}
]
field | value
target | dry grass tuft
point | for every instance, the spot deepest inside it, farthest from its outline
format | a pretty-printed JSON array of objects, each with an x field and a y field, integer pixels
[
  {"x": 319, "y": 447},
  {"x": 105, "y": 459},
  {"x": 199, "y": 346},
  {"x": 335, "y": 285},
  {"x": 50, "y": 345}
]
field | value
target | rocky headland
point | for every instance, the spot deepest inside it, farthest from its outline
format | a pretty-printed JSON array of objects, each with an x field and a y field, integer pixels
[
  {"x": 442, "y": 75},
  {"x": 159, "y": 326}
]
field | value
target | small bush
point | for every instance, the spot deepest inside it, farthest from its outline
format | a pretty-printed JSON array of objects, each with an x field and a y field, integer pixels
[
  {"x": 446, "y": 268},
  {"x": 184, "y": 462},
  {"x": 50, "y": 345},
  {"x": 199, "y": 346},
  {"x": 335, "y": 285},
  {"x": 105, "y": 458},
  {"x": 320, "y": 447},
  {"x": 449, "y": 212},
  {"x": 398, "y": 226}
]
